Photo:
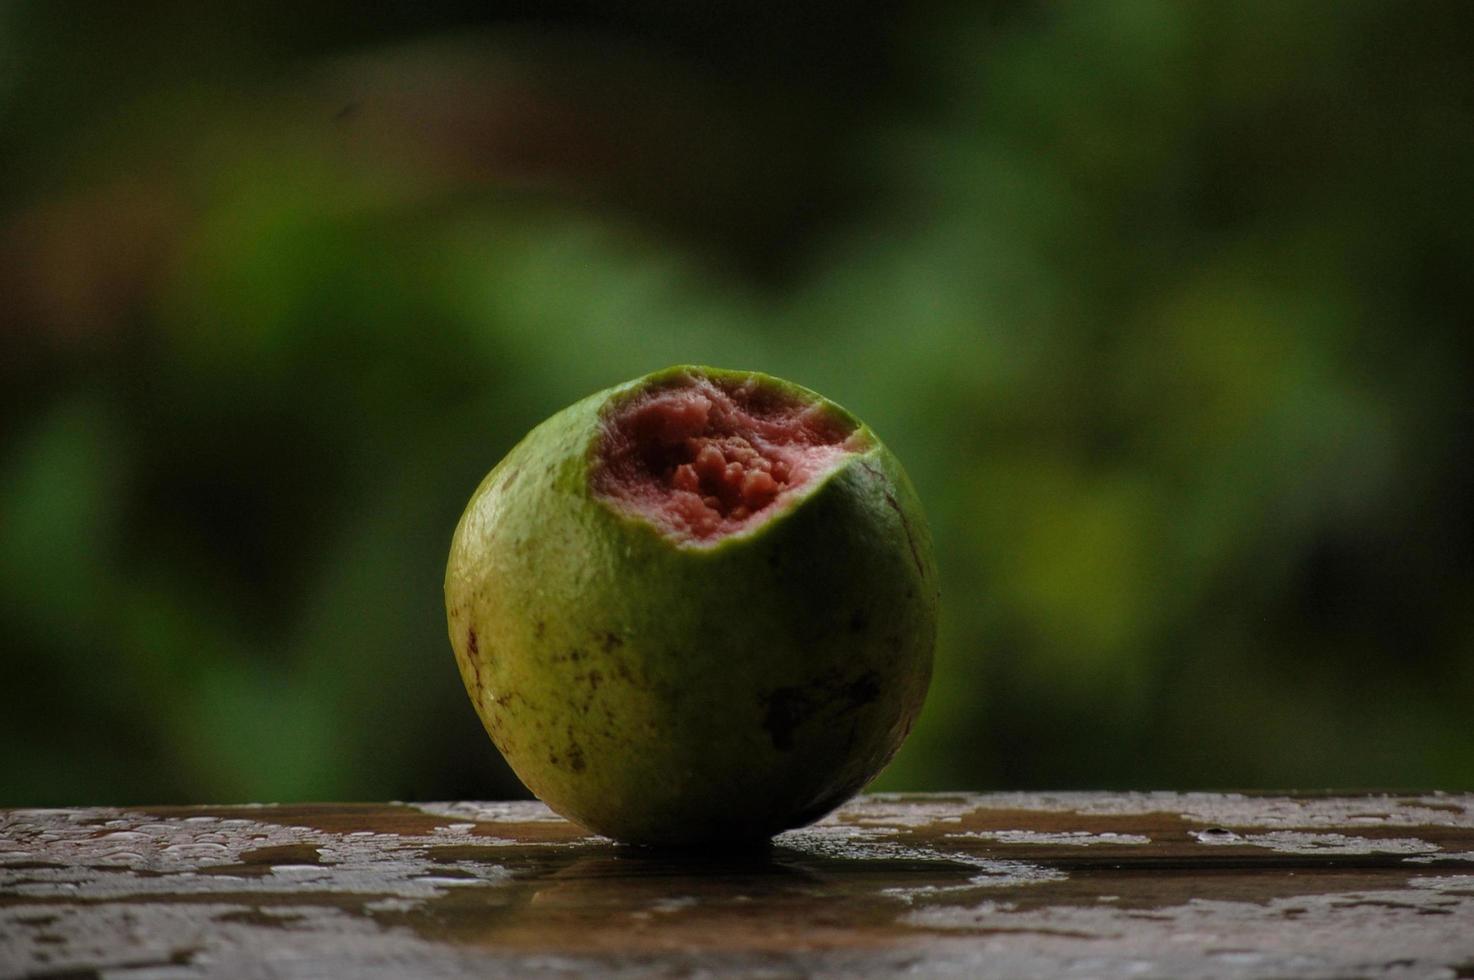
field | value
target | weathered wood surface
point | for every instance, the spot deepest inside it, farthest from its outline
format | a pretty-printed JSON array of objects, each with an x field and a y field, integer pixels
[{"x": 1018, "y": 885}]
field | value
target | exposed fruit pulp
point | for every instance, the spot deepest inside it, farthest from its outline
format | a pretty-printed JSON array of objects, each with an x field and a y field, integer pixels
[{"x": 702, "y": 459}]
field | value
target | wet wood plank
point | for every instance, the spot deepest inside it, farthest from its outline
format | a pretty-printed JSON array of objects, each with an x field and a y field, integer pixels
[{"x": 1018, "y": 885}]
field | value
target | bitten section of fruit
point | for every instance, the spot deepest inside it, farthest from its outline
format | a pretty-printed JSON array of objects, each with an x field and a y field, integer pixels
[{"x": 703, "y": 457}]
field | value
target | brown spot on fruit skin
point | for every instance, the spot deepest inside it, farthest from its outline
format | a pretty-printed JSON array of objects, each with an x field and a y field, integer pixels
[
  {"x": 473, "y": 659},
  {"x": 575, "y": 758},
  {"x": 610, "y": 641},
  {"x": 591, "y": 681},
  {"x": 910, "y": 537},
  {"x": 895, "y": 505},
  {"x": 786, "y": 709},
  {"x": 862, "y": 691}
]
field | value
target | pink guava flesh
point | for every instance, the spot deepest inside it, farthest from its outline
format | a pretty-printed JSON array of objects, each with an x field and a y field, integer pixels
[{"x": 703, "y": 458}]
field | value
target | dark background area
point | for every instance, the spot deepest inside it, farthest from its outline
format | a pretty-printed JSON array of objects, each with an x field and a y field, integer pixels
[{"x": 1166, "y": 308}]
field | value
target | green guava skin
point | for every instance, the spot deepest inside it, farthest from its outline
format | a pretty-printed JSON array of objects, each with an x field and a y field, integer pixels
[{"x": 677, "y": 694}]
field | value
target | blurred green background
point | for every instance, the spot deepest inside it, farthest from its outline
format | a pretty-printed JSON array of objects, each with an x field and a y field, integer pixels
[{"x": 1165, "y": 306}]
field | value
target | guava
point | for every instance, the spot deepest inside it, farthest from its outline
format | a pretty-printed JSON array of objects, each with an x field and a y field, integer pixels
[{"x": 698, "y": 608}]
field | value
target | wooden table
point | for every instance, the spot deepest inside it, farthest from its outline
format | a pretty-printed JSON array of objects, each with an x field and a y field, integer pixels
[{"x": 1012, "y": 884}]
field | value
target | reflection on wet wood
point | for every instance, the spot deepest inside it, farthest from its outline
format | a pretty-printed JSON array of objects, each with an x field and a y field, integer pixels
[{"x": 1101, "y": 885}]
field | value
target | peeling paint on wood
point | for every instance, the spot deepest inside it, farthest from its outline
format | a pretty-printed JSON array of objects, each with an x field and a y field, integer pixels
[{"x": 1046, "y": 885}]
